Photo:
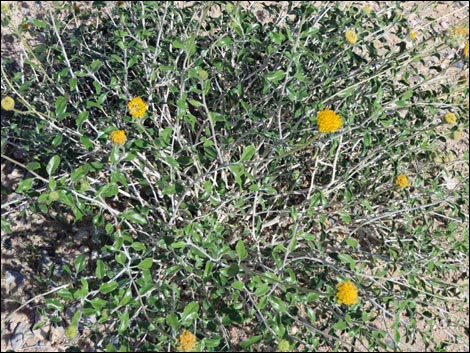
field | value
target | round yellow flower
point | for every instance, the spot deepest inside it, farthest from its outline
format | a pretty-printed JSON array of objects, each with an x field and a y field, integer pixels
[
  {"x": 460, "y": 31},
  {"x": 186, "y": 342},
  {"x": 8, "y": 103},
  {"x": 402, "y": 181},
  {"x": 350, "y": 36},
  {"x": 450, "y": 118},
  {"x": 367, "y": 10},
  {"x": 283, "y": 346},
  {"x": 329, "y": 121},
  {"x": 465, "y": 50},
  {"x": 412, "y": 35},
  {"x": 137, "y": 107},
  {"x": 347, "y": 293},
  {"x": 71, "y": 331},
  {"x": 118, "y": 137}
]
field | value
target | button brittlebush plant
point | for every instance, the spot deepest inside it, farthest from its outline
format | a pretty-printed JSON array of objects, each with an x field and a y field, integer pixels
[{"x": 251, "y": 182}]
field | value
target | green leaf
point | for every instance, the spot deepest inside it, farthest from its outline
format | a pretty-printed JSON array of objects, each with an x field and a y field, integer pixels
[
  {"x": 61, "y": 107},
  {"x": 87, "y": 143},
  {"x": 81, "y": 118},
  {"x": 172, "y": 321},
  {"x": 95, "y": 65},
  {"x": 278, "y": 304},
  {"x": 100, "y": 269},
  {"x": 145, "y": 288},
  {"x": 120, "y": 258},
  {"x": 67, "y": 269},
  {"x": 97, "y": 86},
  {"x": 109, "y": 190},
  {"x": 241, "y": 250},
  {"x": 238, "y": 285},
  {"x": 57, "y": 140},
  {"x": 52, "y": 184},
  {"x": 78, "y": 173},
  {"x": 65, "y": 293},
  {"x": 106, "y": 288},
  {"x": 347, "y": 92},
  {"x": 178, "y": 245},
  {"x": 211, "y": 342},
  {"x": 76, "y": 317},
  {"x": 262, "y": 290},
  {"x": 224, "y": 42},
  {"x": 54, "y": 304},
  {"x": 248, "y": 153},
  {"x": 345, "y": 217},
  {"x": 401, "y": 103},
  {"x": 40, "y": 23},
  {"x": 126, "y": 298},
  {"x": 133, "y": 216},
  {"x": 145, "y": 264},
  {"x": 138, "y": 246},
  {"x": 33, "y": 166},
  {"x": 173, "y": 162},
  {"x": 352, "y": 242},
  {"x": 115, "y": 152},
  {"x": 73, "y": 83},
  {"x": 190, "y": 312},
  {"x": 195, "y": 103},
  {"x": 52, "y": 165},
  {"x": 347, "y": 259},
  {"x": 341, "y": 325},
  {"x": 250, "y": 341},
  {"x": 24, "y": 185},
  {"x": 79, "y": 263},
  {"x": 123, "y": 321},
  {"x": 169, "y": 189},
  {"x": 275, "y": 76},
  {"x": 118, "y": 176},
  {"x": 407, "y": 95}
]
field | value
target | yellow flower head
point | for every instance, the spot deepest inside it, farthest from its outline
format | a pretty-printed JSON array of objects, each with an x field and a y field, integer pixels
[
  {"x": 118, "y": 137},
  {"x": 8, "y": 103},
  {"x": 347, "y": 293},
  {"x": 402, "y": 181},
  {"x": 137, "y": 107},
  {"x": 186, "y": 342},
  {"x": 465, "y": 50},
  {"x": 329, "y": 121},
  {"x": 412, "y": 35},
  {"x": 71, "y": 331},
  {"x": 367, "y": 10},
  {"x": 450, "y": 118},
  {"x": 460, "y": 31},
  {"x": 283, "y": 346},
  {"x": 350, "y": 36}
]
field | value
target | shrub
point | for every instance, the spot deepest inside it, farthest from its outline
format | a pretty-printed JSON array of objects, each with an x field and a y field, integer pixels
[{"x": 254, "y": 168}]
